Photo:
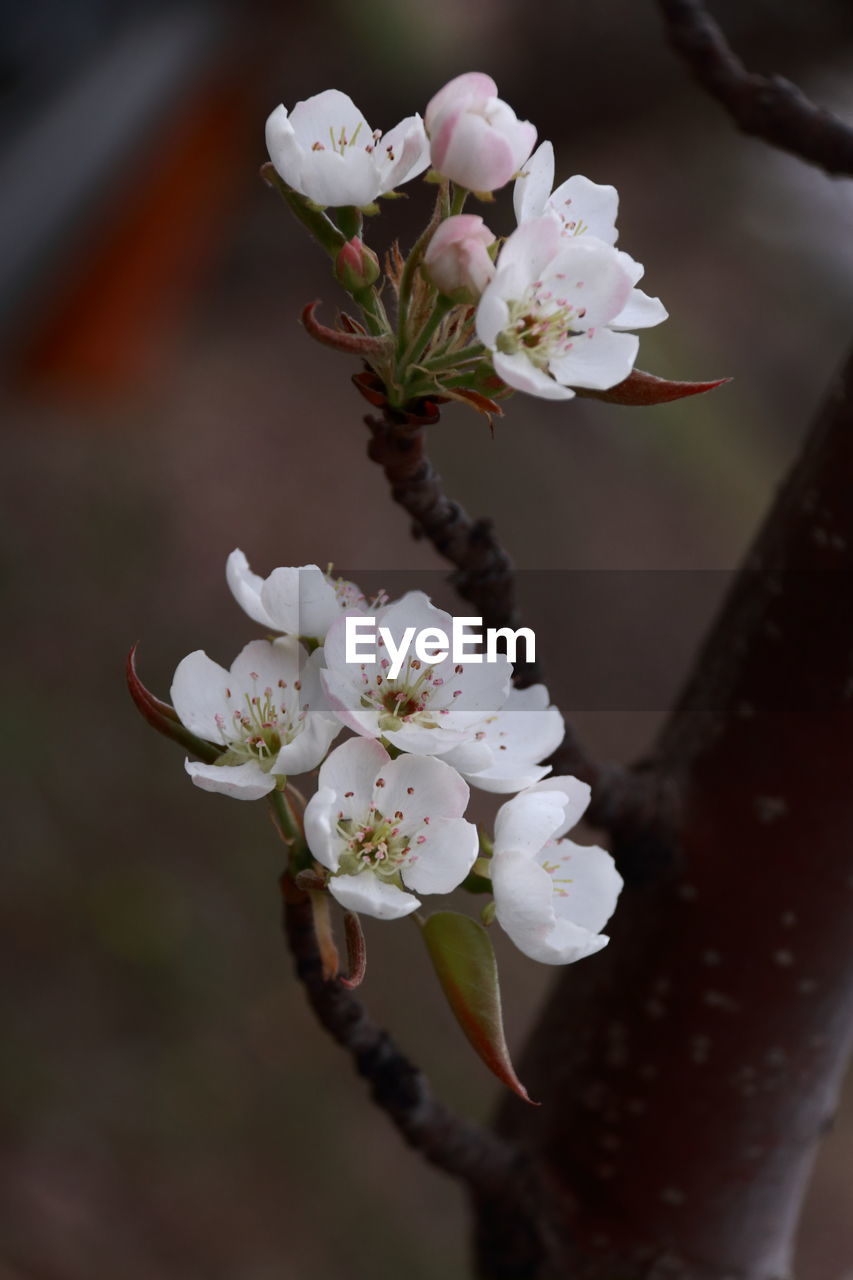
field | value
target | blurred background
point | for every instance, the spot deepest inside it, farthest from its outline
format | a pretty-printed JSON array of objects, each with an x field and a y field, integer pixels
[{"x": 169, "y": 1109}]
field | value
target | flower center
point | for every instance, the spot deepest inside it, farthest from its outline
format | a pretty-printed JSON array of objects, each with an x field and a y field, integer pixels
[
  {"x": 540, "y": 325},
  {"x": 411, "y": 698},
  {"x": 375, "y": 845},
  {"x": 340, "y": 141},
  {"x": 260, "y": 727}
]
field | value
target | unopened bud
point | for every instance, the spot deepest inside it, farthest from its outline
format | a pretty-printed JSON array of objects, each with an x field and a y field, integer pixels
[
  {"x": 457, "y": 259},
  {"x": 356, "y": 266}
]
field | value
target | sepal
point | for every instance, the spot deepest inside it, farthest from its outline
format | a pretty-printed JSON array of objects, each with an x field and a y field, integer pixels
[{"x": 163, "y": 717}]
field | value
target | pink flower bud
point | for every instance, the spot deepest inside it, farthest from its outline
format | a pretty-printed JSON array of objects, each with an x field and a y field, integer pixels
[
  {"x": 457, "y": 259},
  {"x": 356, "y": 266},
  {"x": 476, "y": 140}
]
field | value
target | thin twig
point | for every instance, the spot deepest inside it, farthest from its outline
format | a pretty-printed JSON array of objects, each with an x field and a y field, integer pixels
[
  {"x": 484, "y": 571},
  {"x": 768, "y": 107},
  {"x": 489, "y": 1166}
]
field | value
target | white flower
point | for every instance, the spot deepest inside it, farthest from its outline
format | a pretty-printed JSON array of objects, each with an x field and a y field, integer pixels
[
  {"x": 301, "y": 601},
  {"x": 552, "y": 314},
  {"x": 583, "y": 208},
  {"x": 383, "y": 827},
  {"x": 508, "y": 745},
  {"x": 429, "y": 707},
  {"x": 264, "y": 713},
  {"x": 457, "y": 259},
  {"x": 476, "y": 139},
  {"x": 553, "y": 897},
  {"x": 326, "y": 150}
]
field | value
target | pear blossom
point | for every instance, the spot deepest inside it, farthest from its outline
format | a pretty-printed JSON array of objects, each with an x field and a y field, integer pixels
[
  {"x": 265, "y": 713},
  {"x": 325, "y": 149},
  {"x": 428, "y": 707},
  {"x": 301, "y": 601},
  {"x": 583, "y": 208},
  {"x": 552, "y": 897},
  {"x": 508, "y": 745},
  {"x": 551, "y": 315},
  {"x": 457, "y": 260},
  {"x": 389, "y": 829},
  {"x": 476, "y": 139}
]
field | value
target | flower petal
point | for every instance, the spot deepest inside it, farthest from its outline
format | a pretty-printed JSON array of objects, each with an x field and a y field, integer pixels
[
  {"x": 470, "y": 87},
  {"x": 420, "y": 787},
  {"x": 587, "y": 207},
  {"x": 525, "y": 731},
  {"x": 320, "y": 822},
  {"x": 261, "y": 664},
  {"x": 448, "y": 852},
  {"x": 591, "y": 276},
  {"x": 597, "y": 359},
  {"x": 530, "y": 249},
  {"x": 532, "y": 189},
  {"x": 523, "y": 897},
  {"x": 369, "y": 896},
  {"x": 469, "y": 151},
  {"x": 587, "y": 884},
  {"x": 576, "y": 797},
  {"x": 517, "y": 371},
  {"x": 284, "y": 148},
  {"x": 492, "y": 314},
  {"x": 350, "y": 771},
  {"x": 423, "y": 741},
  {"x": 300, "y": 601},
  {"x": 408, "y": 144},
  {"x": 639, "y": 312},
  {"x": 526, "y": 823},
  {"x": 309, "y": 747},
  {"x": 322, "y": 117},
  {"x": 564, "y": 943},
  {"x": 241, "y": 781},
  {"x": 331, "y": 179},
  {"x": 343, "y": 700},
  {"x": 200, "y": 693},
  {"x": 246, "y": 588}
]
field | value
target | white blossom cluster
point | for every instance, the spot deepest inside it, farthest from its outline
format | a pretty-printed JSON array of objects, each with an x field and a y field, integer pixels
[
  {"x": 556, "y": 302},
  {"x": 387, "y": 821}
]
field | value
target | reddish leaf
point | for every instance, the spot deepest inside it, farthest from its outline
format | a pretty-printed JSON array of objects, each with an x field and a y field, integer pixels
[
  {"x": 644, "y": 389},
  {"x": 464, "y": 960},
  {"x": 353, "y": 343},
  {"x": 162, "y": 717}
]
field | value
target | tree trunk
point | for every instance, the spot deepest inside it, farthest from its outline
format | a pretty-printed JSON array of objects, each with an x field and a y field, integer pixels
[{"x": 687, "y": 1072}]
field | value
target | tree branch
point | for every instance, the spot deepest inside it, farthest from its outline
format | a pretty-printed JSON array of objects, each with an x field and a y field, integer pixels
[
  {"x": 484, "y": 571},
  {"x": 768, "y": 107},
  {"x": 488, "y": 1165},
  {"x": 688, "y": 1074}
]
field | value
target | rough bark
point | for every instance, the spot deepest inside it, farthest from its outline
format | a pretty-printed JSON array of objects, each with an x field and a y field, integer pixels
[{"x": 687, "y": 1073}]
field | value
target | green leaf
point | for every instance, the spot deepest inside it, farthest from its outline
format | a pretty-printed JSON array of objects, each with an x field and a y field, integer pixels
[{"x": 462, "y": 954}]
